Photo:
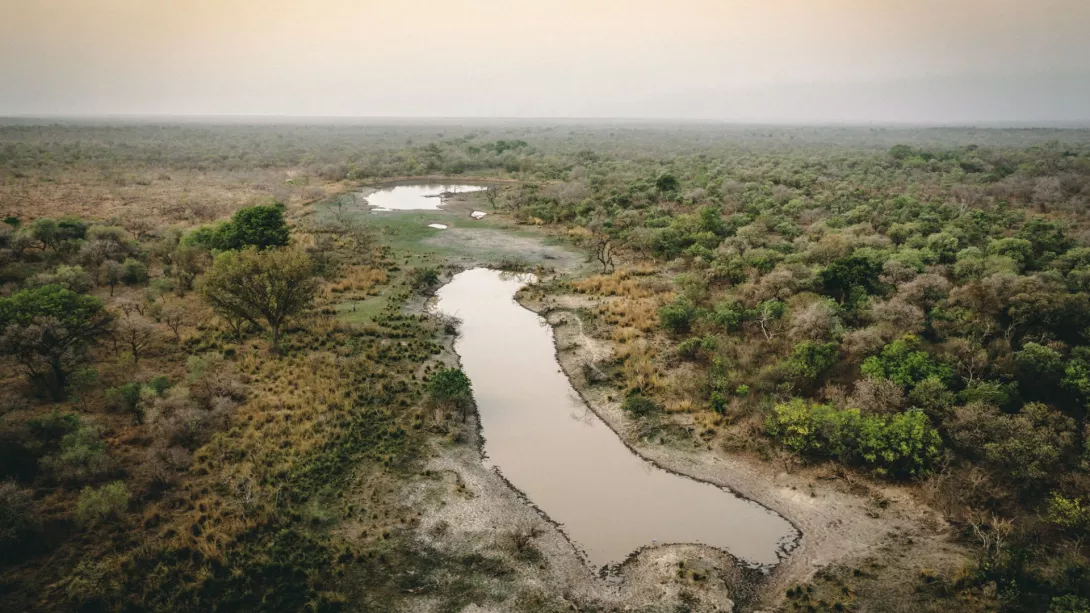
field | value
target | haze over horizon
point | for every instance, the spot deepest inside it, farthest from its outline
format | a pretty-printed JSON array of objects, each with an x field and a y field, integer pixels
[{"x": 844, "y": 61}]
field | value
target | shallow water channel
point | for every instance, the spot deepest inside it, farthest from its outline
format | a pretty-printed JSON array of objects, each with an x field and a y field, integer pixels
[
  {"x": 556, "y": 451},
  {"x": 422, "y": 197}
]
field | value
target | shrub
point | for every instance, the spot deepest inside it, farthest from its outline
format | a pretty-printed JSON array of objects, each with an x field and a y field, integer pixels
[
  {"x": 901, "y": 445},
  {"x": 423, "y": 279},
  {"x": 450, "y": 386},
  {"x": 17, "y": 517},
  {"x": 637, "y": 405},
  {"x": 677, "y": 317},
  {"x": 905, "y": 365},
  {"x": 134, "y": 272},
  {"x": 81, "y": 457},
  {"x": 159, "y": 384},
  {"x": 126, "y": 399},
  {"x": 810, "y": 359},
  {"x": 98, "y": 505}
]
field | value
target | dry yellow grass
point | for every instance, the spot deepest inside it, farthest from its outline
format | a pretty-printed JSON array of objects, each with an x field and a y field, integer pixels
[{"x": 155, "y": 196}]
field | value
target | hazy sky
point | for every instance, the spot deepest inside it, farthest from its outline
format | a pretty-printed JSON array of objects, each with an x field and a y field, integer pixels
[{"x": 800, "y": 60}]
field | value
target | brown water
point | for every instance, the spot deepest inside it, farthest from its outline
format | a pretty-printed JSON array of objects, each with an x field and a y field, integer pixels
[{"x": 544, "y": 440}]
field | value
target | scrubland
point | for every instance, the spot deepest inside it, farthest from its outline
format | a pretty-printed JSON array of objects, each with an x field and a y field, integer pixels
[{"x": 894, "y": 317}]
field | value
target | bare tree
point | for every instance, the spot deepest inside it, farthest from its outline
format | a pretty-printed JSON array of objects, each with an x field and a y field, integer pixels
[
  {"x": 603, "y": 252},
  {"x": 134, "y": 333},
  {"x": 491, "y": 193},
  {"x": 175, "y": 317}
]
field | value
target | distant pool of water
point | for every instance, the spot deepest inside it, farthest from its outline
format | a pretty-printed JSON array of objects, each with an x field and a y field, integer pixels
[
  {"x": 548, "y": 444},
  {"x": 422, "y": 197}
]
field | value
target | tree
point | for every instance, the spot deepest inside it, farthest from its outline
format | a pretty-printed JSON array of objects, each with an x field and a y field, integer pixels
[
  {"x": 903, "y": 363},
  {"x": 187, "y": 262},
  {"x": 47, "y": 331},
  {"x": 451, "y": 387},
  {"x": 110, "y": 273},
  {"x": 134, "y": 333},
  {"x": 264, "y": 288},
  {"x": 491, "y": 193},
  {"x": 666, "y": 183},
  {"x": 858, "y": 270},
  {"x": 603, "y": 252},
  {"x": 260, "y": 226},
  {"x": 134, "y": 272},
  {"x": 175, "y": 316}
]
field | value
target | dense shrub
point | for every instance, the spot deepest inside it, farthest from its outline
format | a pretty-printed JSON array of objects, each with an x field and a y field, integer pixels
[
  {"x": 81, "y": 456},
  {"x": 677, "y": 316},
  {"x": 905, "y": 364},
  {"x": 637, "y": 405},
  {"x": 104, "y": 503},
  {"x": 899, "y": 445},
  {"x": 18, "y": 518}
]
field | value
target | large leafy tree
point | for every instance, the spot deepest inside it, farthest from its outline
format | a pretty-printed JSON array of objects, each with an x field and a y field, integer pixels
[
  {"x": 265, "y": 288},
  {"x": 47, "y": 330},
  {"x": 261, "y": 226}
]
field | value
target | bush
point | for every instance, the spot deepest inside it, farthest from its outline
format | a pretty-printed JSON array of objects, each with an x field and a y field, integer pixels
[
  {"x": 450, "y": 386},
  {"x": 126, "y": 399},
  {"x": 423, "y": 279},
  {"x": 811, "y": 359},
  {"x": 134, "y": 272},
  {"x": 17, "y": 517},
  {"x": 159, "y": 384},
  {"x": 98, "y": 505},
  {"x": 905, "y": 365},
  {"x": 81, "y": 457},
  {"x": 637, "y": 405},
  {"x": 677, "y": 317},
  {"x": 902, "y": 445}
]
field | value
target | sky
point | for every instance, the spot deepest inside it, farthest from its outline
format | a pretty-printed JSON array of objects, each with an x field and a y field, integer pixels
[{"x": 902, "y": 61}]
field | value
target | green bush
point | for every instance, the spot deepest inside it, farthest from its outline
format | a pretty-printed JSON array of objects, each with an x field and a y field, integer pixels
[
  {"x": 159, "y": 384},
  {"x": 126, "y": 399},
  {"x": 81, "y": 457},
  {"x": 901, "y": 445},
  {"x": 450, "y": 386},
  {"x": 424, "y": 279},
  {"x": 678, "y": 316},
  {"x": 639, "y": 406},
  {"x": 18, "y": 520},
  {"x": 810, "y": 360},
  {"x": 98, "y": 505},
  {"x": 134, "y": 272},
  {"x": 903, "y": 363}
]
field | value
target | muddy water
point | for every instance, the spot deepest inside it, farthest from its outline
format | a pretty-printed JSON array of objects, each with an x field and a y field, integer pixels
[
  {"x": 423, "y": 197},
  {"x": 548, "y": 444}
]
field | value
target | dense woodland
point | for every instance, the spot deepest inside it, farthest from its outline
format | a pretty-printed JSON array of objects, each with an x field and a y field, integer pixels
[{"x": 912, "y": 305}]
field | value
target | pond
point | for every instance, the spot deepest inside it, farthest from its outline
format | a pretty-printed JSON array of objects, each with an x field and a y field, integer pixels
[
  {"x": 547, "y": 443},
  {"x": 421, "y": 197}
]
